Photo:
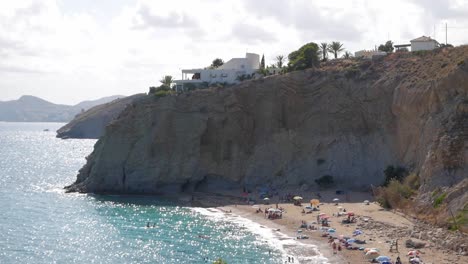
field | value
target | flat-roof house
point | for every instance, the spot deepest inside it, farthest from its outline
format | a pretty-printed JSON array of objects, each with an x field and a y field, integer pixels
[
  {"x": 424, "y": 43},
  {"x": 226, "y": 73}
]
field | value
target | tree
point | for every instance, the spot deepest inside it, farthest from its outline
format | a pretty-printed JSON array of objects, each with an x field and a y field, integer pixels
[
  {"x": 303, "y": 58},
  {"x": 388, "y": 47},
  {"x": 262, "y": 63},
  {"x": 166, "y": 82},
  {"x": 216, "y": 63},
  {"x": 324, "y": 49},
  {"x": 279, "y": 61},
  {"x": 335, "y": 47},
  {"x": 347, "y": 55}
]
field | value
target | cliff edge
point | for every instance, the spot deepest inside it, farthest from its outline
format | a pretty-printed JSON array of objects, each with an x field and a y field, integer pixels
[
  {"x": 91, "y": 123},
  {"x": 349, "y": 119}
]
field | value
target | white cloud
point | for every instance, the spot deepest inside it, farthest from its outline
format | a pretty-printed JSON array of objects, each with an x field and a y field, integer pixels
[{"x": 67, "y": 51}]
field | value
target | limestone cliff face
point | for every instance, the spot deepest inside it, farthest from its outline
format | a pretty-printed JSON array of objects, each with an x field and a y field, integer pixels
[
  {"x": 348, "y": 119},
  {"x": 91, "y": 123}
]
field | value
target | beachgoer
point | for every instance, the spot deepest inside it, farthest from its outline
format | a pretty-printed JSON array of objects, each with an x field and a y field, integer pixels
[
  {"x": 339, "y": 247},
  {"x": 334, "y": 247},
  {"x": 148, "y": 224}
]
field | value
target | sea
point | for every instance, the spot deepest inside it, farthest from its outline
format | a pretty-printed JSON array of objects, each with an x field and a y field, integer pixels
[{"x": 40, "y": 223}]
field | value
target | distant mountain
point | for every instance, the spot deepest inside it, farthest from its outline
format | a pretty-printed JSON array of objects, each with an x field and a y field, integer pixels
[
  {"x": 33, "y": 109},
  {"x": 92, "y": 122}
]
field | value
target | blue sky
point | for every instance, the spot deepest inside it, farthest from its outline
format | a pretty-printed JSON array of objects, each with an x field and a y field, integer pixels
[{"x": 67, "y": 51}]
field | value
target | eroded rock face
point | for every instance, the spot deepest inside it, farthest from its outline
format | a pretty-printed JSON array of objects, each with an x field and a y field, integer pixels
[{"x": 348, "y": 119}]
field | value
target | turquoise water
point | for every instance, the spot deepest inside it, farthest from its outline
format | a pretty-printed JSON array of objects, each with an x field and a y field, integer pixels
[{"x": 39, "y": 223}]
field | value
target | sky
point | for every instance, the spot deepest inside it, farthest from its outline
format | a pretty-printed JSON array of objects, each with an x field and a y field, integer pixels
[{"x": 67, "y": 51}]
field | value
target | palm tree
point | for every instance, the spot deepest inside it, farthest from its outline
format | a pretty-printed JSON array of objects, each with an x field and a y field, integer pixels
[
  {"x": 324, "y": 49},
  {"x": 279, "y": 61},
  {"x": 167, "y": 81},
  {"x": 335, "y": 47},
  {"x": 347, "y": 55}
]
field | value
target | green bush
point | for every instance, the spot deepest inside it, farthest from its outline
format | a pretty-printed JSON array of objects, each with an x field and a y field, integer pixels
[
  {"x": 325, "y": 181},
  {"x": 162, "y": 93},
  {"x": 303, "y": 58},
  {"x": 439, "y": 200},
  {"x": 394, "y": 195}
]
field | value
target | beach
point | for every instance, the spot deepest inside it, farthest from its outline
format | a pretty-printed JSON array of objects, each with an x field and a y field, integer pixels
[{"x": 379, "y": 228}]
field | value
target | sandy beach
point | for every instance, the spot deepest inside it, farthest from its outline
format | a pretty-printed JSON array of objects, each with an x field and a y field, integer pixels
[{"x": 380, "y": 227}]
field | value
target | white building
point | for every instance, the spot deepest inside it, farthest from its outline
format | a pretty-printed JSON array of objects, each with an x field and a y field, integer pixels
[
  {"x": 227, "y": 73},
  {"x": 424, "y": 43}
]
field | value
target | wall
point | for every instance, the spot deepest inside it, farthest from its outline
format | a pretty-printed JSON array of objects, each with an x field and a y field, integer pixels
[{"x": 426, "y": 45}]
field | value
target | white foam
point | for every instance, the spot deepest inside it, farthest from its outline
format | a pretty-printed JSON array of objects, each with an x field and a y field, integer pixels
[{"x": 288, "y": 246}]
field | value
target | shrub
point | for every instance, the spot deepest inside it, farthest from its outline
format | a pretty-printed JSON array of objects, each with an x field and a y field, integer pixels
[
  {"x": 439, "y": 200},
  {"x": 325, "y": 181},
  {"x": 412, "y": 181},
  {"x": 162, "y": 93},
  {"x": 394, "y": 195},
  {"x": 152, "y": 90}
]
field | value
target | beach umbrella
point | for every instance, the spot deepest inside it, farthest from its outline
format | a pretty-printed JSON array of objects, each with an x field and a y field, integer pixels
[
  {"x": 308, "y": 207},
  {"x": 331, "y": 230},
  {"x": 351, "y": 240},
  {"x": 297, "y": 198},
  {"x": 415, "y": 260},
  {"x": 382, "y": 258},
  {"x": 272, "y": 210},
  {"x": 336, "y": 200},
  {"x": 366, "y": 201},
  {"x": 314, "y": 202},
  {"x": 266, "y": 199}
]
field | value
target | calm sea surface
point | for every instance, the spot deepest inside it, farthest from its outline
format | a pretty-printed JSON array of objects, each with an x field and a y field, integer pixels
[{"x": 39, "y": 223}]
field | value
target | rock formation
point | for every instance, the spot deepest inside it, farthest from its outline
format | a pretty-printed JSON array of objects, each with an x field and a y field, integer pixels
[
  {"x": 349, "y": 119},
  {"x": 91, "y": 123}
]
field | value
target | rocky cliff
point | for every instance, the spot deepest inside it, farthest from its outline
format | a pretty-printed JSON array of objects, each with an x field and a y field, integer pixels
[
  {"x": 91, "y": 123},
  {"x": 349, "y": 119}
]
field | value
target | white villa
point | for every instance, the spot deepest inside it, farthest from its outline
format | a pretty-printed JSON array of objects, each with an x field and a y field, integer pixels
[
  {"x": 226, "y": 73},
  {"x": 424, "y": 43}
]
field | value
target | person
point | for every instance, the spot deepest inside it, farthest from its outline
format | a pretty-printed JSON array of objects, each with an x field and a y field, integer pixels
[
  {"x": 148, "y": 225},
  {"x": 398, "y": 260},
  {"x": 339, "y": 247},
  {"x": 334, "y": 247}
]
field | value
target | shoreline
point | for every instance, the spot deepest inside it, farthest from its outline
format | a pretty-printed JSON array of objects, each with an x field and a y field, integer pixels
[{"x": 380, "y": 228}]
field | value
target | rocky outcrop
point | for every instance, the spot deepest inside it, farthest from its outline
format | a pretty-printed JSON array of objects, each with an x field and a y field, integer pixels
[
  {"x": 91, "y": 123},
  {"x": 348, "y": 119}
]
